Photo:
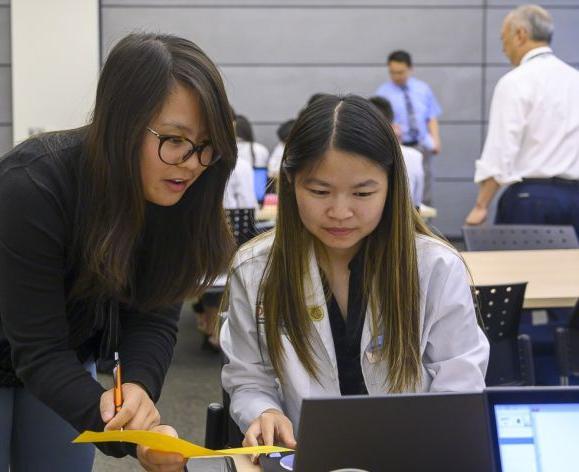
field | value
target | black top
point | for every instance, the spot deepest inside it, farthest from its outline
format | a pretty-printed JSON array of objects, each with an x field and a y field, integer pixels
[
  {"x": 347, "y": 333},
  {"x": 44, "y": 337}
]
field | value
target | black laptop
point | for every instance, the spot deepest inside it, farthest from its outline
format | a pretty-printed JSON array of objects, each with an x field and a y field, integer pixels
[{"x": 502, "y": 430}]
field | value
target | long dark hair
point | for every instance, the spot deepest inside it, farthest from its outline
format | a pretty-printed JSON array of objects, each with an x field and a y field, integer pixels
[
  {"x": 147, "y": 255},
  {"x": 350, "y": 124}
]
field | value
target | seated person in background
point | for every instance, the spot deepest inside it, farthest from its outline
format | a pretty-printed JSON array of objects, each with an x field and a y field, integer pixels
[
  {"x": 239, "y": 191},
  {"x": 247, "y": 149},
  {"x": 412, "y": 157},
  {"x": 255, "y": 154},
  {"x": 275, "y": 157},
  {"x": 351, "y": 293}
]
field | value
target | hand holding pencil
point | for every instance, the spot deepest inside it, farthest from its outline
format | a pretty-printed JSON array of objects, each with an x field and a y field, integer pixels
[{"x": 127, "y": 405}]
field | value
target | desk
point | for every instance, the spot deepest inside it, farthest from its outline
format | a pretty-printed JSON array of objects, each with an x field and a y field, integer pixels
[
  {"x": 552, "y": 274},
  {"x": 243, "y": 464}
]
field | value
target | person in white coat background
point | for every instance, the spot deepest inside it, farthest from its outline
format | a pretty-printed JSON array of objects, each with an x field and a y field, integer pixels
[{"x": 351, "y": 293}]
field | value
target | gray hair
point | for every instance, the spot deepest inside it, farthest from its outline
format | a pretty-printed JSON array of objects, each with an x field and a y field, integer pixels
[{"x": 535, "y": 19}]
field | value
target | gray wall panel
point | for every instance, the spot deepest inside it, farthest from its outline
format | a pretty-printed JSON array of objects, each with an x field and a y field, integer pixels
[
  {"x": 275, "y": 53},
  {"x": 296, "y": 3},
  {"x": 5, "y": 79},
  {"x": 509, "y": 4},
  {"x": 461, "y": 147},
  {"x": 5, "y": 139},
  {"x": 493, "y": 74},
  {"x": 453, "y": 202},
  {"x": 264, "y": 35},
  {"x": 265, "y": 134},
  {"x": 4, "y": 35},
  {"x": 565, "y": 40},
  {"x": 5, "y": 95},
  {"x": 277, "y": 93}
]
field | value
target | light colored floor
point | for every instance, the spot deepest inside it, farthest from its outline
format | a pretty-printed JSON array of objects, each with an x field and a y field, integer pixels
[{"x": 192, "y": 383}]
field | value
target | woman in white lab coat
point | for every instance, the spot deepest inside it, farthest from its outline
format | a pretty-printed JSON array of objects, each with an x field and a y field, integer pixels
[{"x": 351, "y": 293}]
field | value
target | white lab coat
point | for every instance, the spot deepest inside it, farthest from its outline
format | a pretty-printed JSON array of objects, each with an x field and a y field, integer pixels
[
  {"x": 240, "y": 190},
  {"x": 453, "y": 348}
]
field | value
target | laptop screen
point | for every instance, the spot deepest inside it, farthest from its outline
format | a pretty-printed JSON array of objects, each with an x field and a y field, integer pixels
[{"x": 537, "y": 437}]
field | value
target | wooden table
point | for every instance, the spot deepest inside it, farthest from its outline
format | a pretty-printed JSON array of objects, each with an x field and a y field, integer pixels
[
  {"x": 552, "y": 274},
  {"x": 243, "y": 464}
]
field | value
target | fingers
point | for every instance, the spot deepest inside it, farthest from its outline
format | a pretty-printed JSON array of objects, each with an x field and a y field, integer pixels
[
  {"x": 252, "y": 434},
  {"x": 164, "y": 459},
  {"x": 138, "y": 410},
  {"x": 268, "y": 428},
  {"x": 158, "y": 461},
  {"x": 126, "y": 413},
  {"x": 146, "y": 418},
  {"x": 107, "y": 406},
  {"x": 285, "y": 433}
]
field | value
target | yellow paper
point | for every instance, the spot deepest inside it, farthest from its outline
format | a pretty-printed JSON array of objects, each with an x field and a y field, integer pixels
[{"x": 162, "y": 442}]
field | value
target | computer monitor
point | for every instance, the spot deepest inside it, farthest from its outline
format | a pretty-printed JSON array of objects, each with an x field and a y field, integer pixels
[{"x": 535, "y": 429}]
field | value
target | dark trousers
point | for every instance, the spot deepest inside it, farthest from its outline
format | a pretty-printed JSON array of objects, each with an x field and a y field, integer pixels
[{"x": 540, "y": 201}]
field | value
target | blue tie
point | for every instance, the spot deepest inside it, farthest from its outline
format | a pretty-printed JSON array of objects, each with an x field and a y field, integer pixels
[{"x": 412, "y": 125}]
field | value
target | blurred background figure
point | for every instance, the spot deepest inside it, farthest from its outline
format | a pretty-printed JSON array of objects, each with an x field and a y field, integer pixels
[
  {"x": 254, "y": 153},
  {"x": 416, "y": 111},
  {"x": 412, "y": 157},
  {"x": 275, "y": 158}
]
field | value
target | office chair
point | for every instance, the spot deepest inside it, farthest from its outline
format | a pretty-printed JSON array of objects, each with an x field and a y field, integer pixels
[
  {"x": 221, "y": 431},
  {"x": 567, "y": 348},
  {"x": 519, "y": 237},
  {"x": 511, "y": 358},
  {"x": 242, "y": 224}
]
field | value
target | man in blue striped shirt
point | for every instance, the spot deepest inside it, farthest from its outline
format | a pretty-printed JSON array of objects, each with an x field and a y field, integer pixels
[{"x": 416, "y": 112}]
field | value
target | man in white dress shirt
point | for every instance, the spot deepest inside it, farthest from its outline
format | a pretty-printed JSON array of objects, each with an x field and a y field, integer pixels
[{"x": 533, "y": 137}]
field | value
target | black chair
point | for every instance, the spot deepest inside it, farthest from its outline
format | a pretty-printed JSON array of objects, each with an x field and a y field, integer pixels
[
  {"x": 567, "y": 348},
  {"x": 242, "y": 224},
  {"x": 519, "y": 237},
  {"x": 221, "y": 431},
  {"x": 511, "y": 356}
]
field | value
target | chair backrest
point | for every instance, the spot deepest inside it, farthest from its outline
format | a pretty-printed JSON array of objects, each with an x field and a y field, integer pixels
[
  {"x": 567, "y": 347},
  {"x": 519, "y": 237},
  {"x": 500, "y": 309},
  {"x": 242, "y": 223}
]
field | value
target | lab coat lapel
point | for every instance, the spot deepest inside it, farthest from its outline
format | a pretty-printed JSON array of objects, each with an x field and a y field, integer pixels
[{"x": 318, "y": 310}]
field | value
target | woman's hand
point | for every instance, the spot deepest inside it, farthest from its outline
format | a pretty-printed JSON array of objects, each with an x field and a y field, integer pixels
[
  {"x": 157, "y": 461},
  {"x": 272, "y": 426},
  {"x": 138, "y": 410}
]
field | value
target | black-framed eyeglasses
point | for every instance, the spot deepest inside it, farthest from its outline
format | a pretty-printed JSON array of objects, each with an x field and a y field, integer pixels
[{"x": 174, "y": 150}]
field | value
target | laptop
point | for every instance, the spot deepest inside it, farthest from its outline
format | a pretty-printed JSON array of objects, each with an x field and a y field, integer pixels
[
  {"x": 534, "y": 429},
  {"x": 434, "y": 432},
  {"x": 501, "y": 429}
]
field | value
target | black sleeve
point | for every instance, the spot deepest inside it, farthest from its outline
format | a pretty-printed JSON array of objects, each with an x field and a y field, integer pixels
[
  {"x": 32, "y": 303},
  {"x": 146, "y": 346}
]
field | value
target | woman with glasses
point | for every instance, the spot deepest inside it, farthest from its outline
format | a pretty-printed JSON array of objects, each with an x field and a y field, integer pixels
[{"x": 104, "y": 230}]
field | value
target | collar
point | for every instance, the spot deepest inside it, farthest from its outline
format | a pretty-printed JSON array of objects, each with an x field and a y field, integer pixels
[
  {"x": 536, "y": 52},
  {"x": 357, "y": 261}
]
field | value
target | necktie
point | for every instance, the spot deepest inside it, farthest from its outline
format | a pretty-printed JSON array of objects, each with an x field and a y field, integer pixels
[{"x": 412, "y": 125}]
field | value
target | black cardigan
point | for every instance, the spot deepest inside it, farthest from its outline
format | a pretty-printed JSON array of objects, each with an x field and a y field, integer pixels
[{"x": 44, "y": 338}]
